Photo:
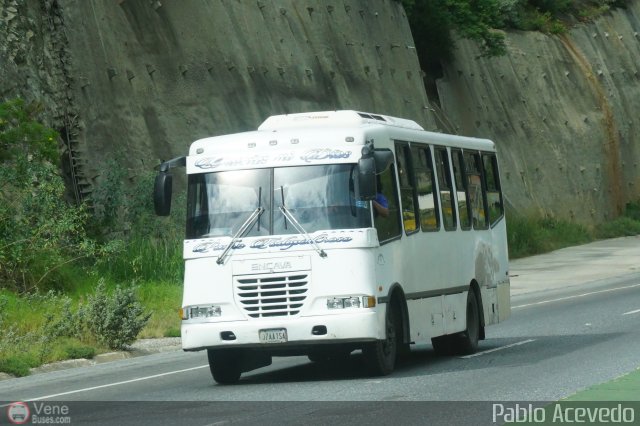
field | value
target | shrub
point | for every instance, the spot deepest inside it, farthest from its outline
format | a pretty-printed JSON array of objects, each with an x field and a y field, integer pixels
[
  {"x": 632, "y": 210},
  {"x": 114, "y": 319},
  {"x": 15, "y": 365}
]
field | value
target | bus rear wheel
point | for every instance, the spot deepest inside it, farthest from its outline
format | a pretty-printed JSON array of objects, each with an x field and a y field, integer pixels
[
  {"x": 466, "y": 342},
  {"x": 380, "y": 356},
  {"x": 224, "y": 366}
]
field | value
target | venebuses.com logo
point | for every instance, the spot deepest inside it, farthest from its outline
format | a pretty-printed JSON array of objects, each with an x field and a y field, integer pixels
[{"x": 19, "y": 413}]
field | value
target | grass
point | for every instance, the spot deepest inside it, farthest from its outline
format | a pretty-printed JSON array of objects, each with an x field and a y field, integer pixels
[
  {"x": 530, "y": 235},
  {"x": 16, "y": 365},
  {"x": 533, "y": 235},
  {"x": 163, "y": 300}
]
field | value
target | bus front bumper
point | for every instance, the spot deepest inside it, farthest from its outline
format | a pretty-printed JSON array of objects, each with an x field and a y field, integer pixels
[{"x": 300, "y": 331}]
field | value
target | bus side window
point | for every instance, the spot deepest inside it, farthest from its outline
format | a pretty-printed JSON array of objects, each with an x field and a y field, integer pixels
[
  {"x": 446, "y": 189},
  {"x": 407, "y": 188},
  {"x": 461, "y": 189},
  {"x": 476, "y": 190},
  {"x": 494, "y": 193},
  {"x": 388, "y": 226},
  {"x": 425, "y": 185}
]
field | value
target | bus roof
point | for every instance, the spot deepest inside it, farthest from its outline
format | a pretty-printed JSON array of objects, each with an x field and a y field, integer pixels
[
  {"x": 346, "y": 118},
  {"x": 312, "y": 130}
]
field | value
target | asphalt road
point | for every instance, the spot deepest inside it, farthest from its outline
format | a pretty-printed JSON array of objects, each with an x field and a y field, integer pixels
[{"x": 557, "y": 342}]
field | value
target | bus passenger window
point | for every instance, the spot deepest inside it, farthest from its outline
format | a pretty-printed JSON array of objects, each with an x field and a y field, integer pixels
[
  {"x": 425, "y": 184},
  {"x": 388, "y": 226},
  {"x": 476, "y": 190},
  {"x": 407, "y": 190},
  {"x": 494, "y": 193},
  {"x": 446, "y": 189},
  {"x": 461, "y": 189}
]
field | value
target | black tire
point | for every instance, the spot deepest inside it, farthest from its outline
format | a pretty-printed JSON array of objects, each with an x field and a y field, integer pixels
[
  {"x": 380, "y": 356},
  {"x": 442, "y": 345},
  {"x": 224, "y": 366},
  {"x": 466, "y": 342}
]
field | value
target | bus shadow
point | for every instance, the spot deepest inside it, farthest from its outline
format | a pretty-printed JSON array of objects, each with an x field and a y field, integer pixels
[{"x": 424, "y": 361}]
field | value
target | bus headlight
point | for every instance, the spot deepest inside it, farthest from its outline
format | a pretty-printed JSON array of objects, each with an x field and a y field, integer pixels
[
  {"x": 351, "y": 302},
  {"x": 204, "y": 311}
]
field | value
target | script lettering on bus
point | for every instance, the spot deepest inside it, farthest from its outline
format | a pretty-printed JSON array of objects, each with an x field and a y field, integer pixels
[
  {"x": 283, "y": 157},
  {"x": 214, "y": 163},
  {"x": 215, "y": 246},
  {"x": 324, "y": 154},
  {"x": 287, "y": 243}
]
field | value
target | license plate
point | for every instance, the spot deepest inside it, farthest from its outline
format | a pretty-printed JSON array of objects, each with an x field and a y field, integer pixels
[{"x": 273, "y": 335}]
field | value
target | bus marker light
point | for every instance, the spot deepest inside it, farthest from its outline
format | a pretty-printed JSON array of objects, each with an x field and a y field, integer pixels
[{"x": 369, "y": 301}]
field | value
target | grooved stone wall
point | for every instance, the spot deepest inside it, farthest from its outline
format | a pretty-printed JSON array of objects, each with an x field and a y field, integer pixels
[
  {"x": 138, "y": 80},
  {"x": 564, "y": 111},
  {"x": 145, "y": 78}
]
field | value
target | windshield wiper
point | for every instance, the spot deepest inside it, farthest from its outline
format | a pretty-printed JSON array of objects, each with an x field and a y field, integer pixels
[
  {"x": 287, "y": 214},
  {"x": 244, "y": 228}
]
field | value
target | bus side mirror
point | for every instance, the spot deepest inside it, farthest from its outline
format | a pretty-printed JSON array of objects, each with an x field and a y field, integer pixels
[
  {"x": 162, "y": 194},
  {"x": 367, "y": 178},
  {"x": 383, "y": 158}
]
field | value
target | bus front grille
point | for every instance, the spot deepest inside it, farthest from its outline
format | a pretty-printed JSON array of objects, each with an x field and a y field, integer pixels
[{"x": 272, "y": 296}]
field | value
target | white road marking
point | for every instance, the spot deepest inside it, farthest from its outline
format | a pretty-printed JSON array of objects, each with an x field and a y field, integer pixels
[
  {"x": 637, "y": 311},
  {"x": 139, "y": 379},
  {"x": 575, "y": 297},
  {"x": 498, "y": 349}
]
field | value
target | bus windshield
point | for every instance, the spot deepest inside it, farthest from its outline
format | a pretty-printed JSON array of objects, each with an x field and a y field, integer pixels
[{"x": 321, "y": 197}]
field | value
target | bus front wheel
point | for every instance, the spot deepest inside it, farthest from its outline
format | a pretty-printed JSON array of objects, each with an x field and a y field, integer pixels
[
  {"x": 224, "y": 365},
  {"x": 380, "y": 356}
]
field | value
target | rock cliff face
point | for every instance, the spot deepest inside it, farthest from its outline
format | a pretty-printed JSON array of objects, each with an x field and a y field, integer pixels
[
  {"x": 564, "y": 111},
  {"x": 137, "y": 80}
]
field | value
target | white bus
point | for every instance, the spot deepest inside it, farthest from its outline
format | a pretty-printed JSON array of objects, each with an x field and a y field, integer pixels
[{"x": 324, "y": 233}]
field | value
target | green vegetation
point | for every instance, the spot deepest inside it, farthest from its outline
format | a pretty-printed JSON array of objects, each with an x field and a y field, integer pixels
[
  {"x": 39, "y": 232},
  {"x": 533, "y": 235},
  {"x": 76, "y": 280},
  {"x": 529, "y": 235},
  {"x": 434, "y": 22},
  {"x": 114, "y": 320}
]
